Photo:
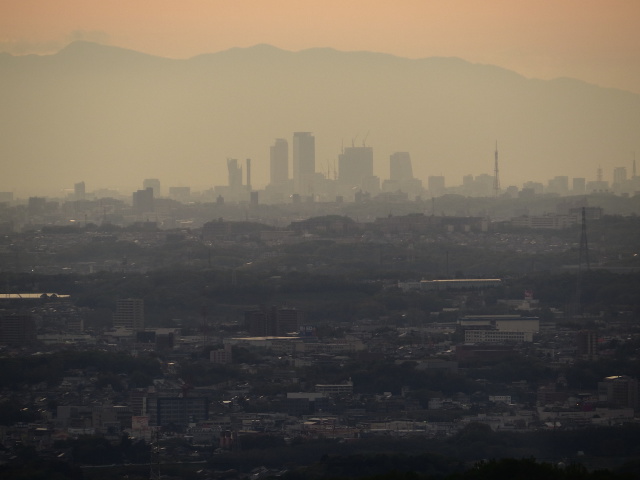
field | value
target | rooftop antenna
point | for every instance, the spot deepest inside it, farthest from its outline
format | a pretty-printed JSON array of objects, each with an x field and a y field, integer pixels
[
  {"x": 364, "y": 140},
  {"x": 496, "y": 178}
]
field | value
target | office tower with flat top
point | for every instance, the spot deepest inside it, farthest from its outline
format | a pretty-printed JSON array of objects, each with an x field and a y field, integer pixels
[
  {"x": 153, "y": 183},
  {"x": 279, "y": 162},
  {"x": 143, "y": 201},
  {"x": 79, "y": 191},
  {"x": 400, "y": 169}
]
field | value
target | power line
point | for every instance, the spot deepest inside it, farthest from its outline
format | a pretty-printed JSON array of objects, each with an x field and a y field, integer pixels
[{"x": 496, "y": 174}]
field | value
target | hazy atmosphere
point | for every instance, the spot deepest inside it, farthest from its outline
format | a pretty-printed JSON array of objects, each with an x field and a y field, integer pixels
[
  {"x": 595, "y": 41},
  {"x": 304, "y": 240},
  {"x": 178, "y": 109}
]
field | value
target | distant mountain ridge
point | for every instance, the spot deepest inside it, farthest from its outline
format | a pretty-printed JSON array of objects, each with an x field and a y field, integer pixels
[{"x": 112, "y": 116}]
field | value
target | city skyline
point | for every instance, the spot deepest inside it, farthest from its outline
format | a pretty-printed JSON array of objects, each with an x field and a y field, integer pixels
[
  {"x": 108, "y": 115},
  {"x": 622, "y": 180},
  {"x": 281, "y": 164},
  {"x": 300, "y": 169}
]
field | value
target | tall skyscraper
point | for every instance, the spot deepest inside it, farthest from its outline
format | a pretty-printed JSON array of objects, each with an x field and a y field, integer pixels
[
  {"x": 180, "y": 193},
  {"x": 400, "y": 169},
  {"x": 579, "y": 185},
  {"x": 304, "y": 161},
  {"x": 354, "y": 165},
  {"x": 79, "y": 191},
  {"x": 558, "y": 184},
  {"x": 36, "y": 205},
  {"x": 235, "y": 173},
  {"x": 619, "y": 175},
  {"x": 279, "y": 158},
  {"x": 436, "y": 185},
  {"x": 248, "y": 163},
  {"x": 143, "y": 200},
  {"x": 152, "y": 183}
]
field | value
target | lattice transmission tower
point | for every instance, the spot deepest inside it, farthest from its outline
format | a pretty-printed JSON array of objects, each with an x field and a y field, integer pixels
[
  {"x": 583, "y": 259},
  {"x": 496, "y": 174}
]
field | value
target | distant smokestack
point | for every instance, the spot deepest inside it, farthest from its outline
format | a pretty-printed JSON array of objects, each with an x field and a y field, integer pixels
[{"x": 249, "y": 174}]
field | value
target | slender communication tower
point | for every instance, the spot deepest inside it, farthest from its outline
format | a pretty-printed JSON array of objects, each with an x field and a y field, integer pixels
[
  {"x": 584, "y": 244},
  {"x": 496, "y": 174}
]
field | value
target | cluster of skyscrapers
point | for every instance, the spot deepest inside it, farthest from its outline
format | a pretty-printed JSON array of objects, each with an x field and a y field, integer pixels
[
  {"x": 351, "y": 178},
  {"x": 354, "y": 173}
]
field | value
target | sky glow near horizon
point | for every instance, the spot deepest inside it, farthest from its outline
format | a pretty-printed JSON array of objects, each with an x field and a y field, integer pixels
[{"x": 596, "y": 41}]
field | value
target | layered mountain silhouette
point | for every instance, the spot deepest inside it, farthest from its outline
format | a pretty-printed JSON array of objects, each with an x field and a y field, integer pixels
[{"x": 112, "y": 116}]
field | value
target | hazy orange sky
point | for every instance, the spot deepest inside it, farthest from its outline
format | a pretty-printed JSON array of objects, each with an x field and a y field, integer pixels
[{"x": 593, "y": 40}]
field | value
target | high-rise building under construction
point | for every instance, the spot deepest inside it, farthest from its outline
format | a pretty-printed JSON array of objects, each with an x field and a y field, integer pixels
[
  {"x": 354, "y": 165},
  {"x": 304, "y": 161}
]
